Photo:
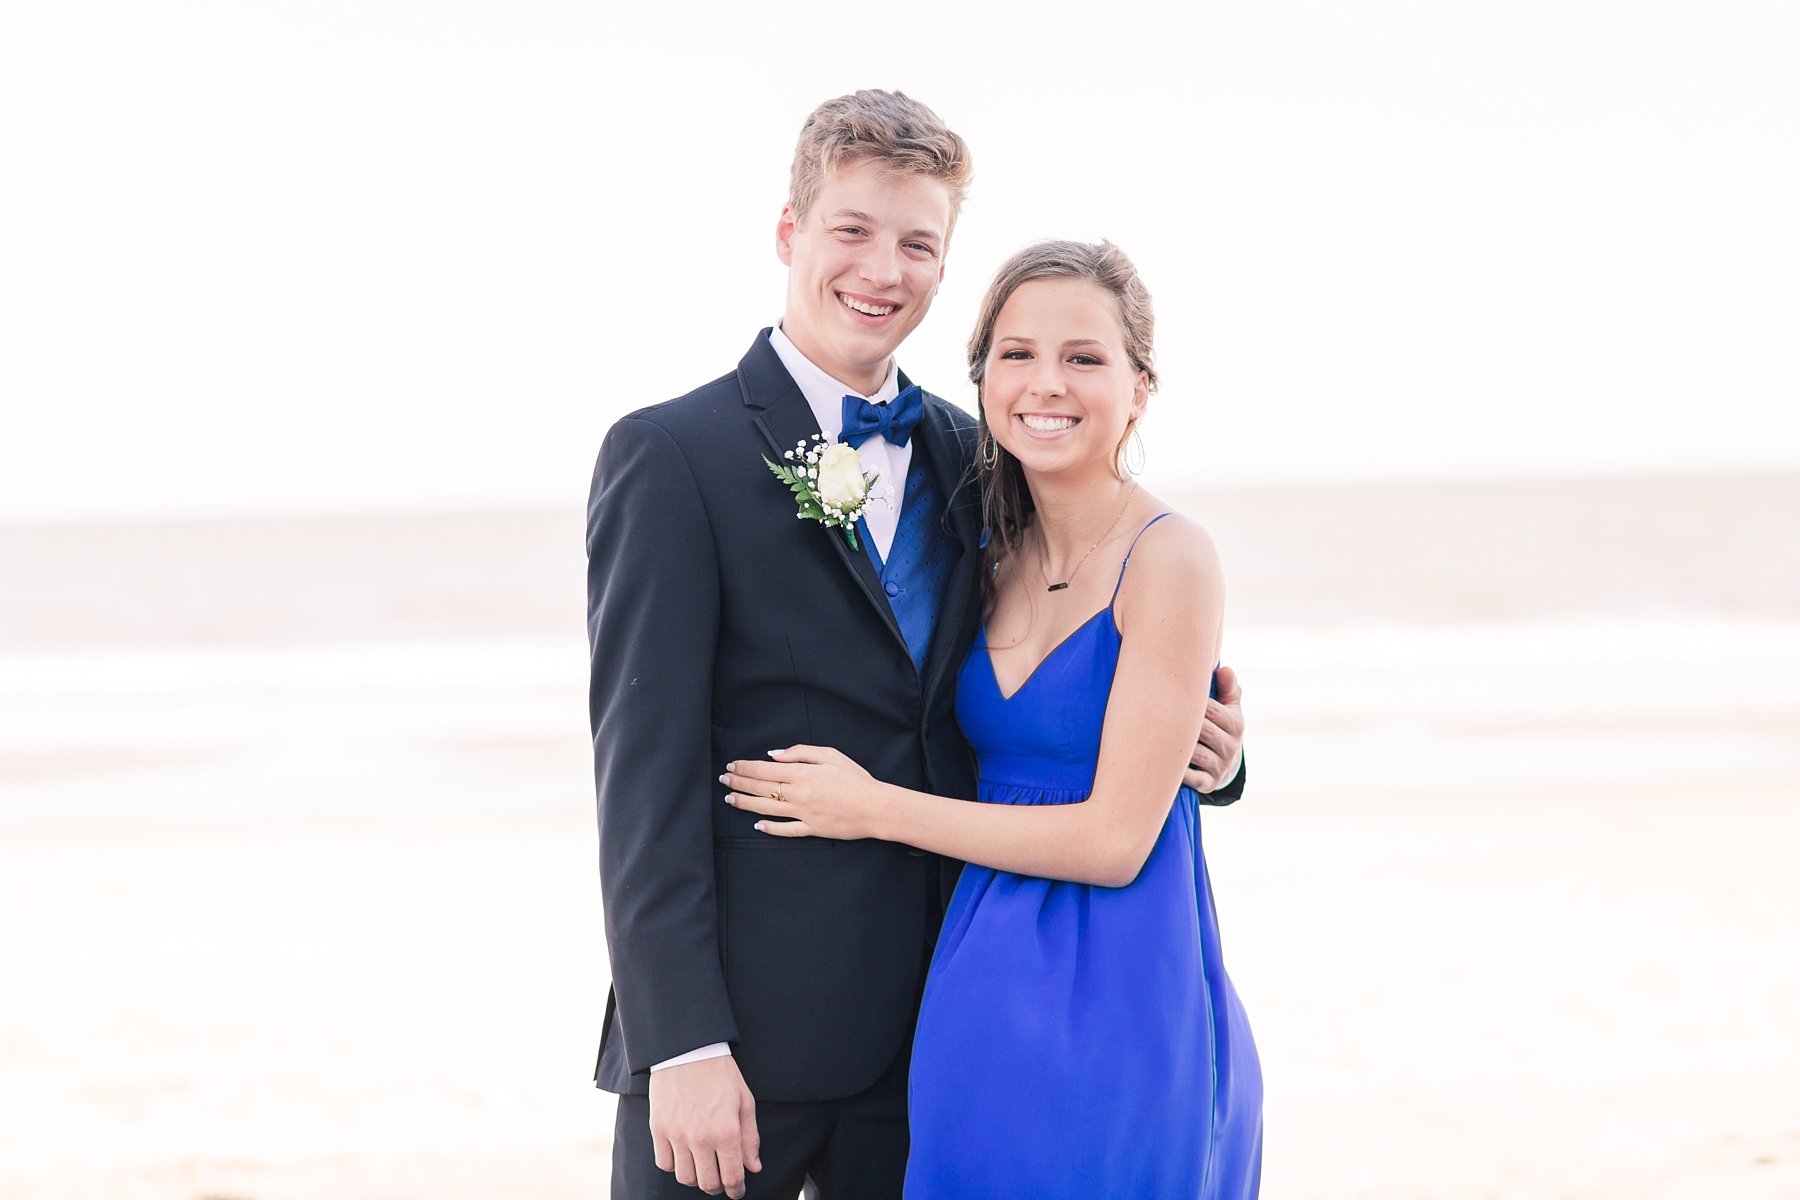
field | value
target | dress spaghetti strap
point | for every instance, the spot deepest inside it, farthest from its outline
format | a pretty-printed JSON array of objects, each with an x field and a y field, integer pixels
[
  {"x": 1024, "y": 963},
  {"x": 1128, "y": 550}
]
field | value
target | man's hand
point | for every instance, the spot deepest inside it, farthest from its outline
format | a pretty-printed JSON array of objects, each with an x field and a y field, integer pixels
[
  {"x": 703, "y": 1122},
  {"x": 1215, "y": 760}
]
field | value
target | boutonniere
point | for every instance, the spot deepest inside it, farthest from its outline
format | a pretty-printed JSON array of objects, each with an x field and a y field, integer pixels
[{"x": 829, "y": 484}]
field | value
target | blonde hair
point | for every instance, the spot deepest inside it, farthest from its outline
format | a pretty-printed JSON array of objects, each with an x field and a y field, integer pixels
[
  {"x": 1006, "y": 505},
  {"x": 888, "y": 127}
]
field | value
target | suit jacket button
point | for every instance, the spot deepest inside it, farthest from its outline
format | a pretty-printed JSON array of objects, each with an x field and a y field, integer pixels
[{"x": 893, "y": 589}]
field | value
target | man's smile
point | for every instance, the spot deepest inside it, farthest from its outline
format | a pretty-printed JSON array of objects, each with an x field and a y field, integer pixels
[{"x": 869, "y": 308}]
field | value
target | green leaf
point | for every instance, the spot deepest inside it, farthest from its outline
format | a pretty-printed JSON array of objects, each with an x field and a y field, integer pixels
[{"x": 808, "y": 500}]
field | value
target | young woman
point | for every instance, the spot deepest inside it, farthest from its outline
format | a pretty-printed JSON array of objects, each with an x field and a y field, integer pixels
[{"x": 1079, "y": 1036}]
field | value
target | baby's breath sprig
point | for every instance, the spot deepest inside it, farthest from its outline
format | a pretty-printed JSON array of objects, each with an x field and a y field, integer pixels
[{"x": 829, "y": 483}]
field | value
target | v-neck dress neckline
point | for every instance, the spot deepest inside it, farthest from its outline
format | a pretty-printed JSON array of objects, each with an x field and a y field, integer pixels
[{"x": 1077, "y": 1040}]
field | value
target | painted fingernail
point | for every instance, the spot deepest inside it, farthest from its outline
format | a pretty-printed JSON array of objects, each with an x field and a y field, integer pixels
[
  {"x": 773, "y": 753},
  {"x": 725, "y": 778},
  {"x": 759, "y": 827},
  {"x": 731, "y": 800}
]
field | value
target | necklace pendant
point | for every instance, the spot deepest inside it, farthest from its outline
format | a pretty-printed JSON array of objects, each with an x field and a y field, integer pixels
[{"x": 1056, "y": 587}]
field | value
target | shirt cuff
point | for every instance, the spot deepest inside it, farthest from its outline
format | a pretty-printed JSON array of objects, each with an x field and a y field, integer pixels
[{"x": 716, "y": 1050}]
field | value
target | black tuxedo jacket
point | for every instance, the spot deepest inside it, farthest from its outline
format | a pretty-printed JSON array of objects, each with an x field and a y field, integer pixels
[{"x": 722, "y": 627}]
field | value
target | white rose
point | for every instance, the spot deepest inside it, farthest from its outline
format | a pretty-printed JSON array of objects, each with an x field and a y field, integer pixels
[{"x": 841, "y": 481}]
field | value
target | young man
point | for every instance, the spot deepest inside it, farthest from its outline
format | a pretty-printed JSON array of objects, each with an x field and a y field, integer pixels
[{"x": 765, "y": 988}]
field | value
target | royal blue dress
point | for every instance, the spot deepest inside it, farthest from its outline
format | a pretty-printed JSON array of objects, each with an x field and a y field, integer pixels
[{"x": 1078, "y": 1041}]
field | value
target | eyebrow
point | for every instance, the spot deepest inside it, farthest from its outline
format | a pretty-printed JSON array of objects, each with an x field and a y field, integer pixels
[
  {"x": 1023, "y": 340},
  {"x": 851, "y": 214}
]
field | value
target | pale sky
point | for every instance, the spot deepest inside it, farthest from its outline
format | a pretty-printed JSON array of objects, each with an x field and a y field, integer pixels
[{"x": 330, "y": 256}]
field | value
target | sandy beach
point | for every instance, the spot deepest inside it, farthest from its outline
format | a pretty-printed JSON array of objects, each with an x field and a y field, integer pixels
[{"x": 298, "y": 897}]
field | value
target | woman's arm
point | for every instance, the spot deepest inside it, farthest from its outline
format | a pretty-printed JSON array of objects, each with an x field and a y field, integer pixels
[{"x": 1169, "y": 612}]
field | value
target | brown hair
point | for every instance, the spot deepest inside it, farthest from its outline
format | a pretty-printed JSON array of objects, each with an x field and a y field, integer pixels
[
  {"x": 890, "y": 127},
  {"x": 1006, "y": 506}
]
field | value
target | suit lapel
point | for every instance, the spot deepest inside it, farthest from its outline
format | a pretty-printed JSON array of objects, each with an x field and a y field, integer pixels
[
  {"x": 950, "y": 460},
  {"x": 785, "y": 419}
]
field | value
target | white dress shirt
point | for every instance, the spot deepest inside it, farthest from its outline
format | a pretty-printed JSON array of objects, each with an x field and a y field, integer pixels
[
  {"x": 888, "y": 462},
  {"x": 880, "y": 457}
]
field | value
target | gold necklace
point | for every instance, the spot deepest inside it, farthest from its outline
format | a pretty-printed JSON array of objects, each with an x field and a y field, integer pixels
[{"x": 1044, "y": 544}]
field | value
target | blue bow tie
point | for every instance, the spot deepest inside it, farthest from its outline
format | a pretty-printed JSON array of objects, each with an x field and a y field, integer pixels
[{"x": 893, "y": 420}]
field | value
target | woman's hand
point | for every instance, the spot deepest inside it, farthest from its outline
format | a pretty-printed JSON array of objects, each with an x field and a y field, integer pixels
[{"x": 819, "y": 791}]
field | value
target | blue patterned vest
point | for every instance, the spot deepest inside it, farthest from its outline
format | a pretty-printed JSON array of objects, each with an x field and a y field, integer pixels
[{"x": 919, "y": 561}]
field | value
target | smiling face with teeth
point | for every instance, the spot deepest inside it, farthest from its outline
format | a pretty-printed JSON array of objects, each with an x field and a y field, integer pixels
[
  {"x": 864, "y": 263},
  {"x": 1059, "y": 389}
]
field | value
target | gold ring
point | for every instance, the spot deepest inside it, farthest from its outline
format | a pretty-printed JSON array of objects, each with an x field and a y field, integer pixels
[{"x": 777, "y": 792}]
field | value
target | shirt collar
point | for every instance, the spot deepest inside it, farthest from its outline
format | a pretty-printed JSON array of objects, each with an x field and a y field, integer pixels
[{"x": 825, "y": 395}]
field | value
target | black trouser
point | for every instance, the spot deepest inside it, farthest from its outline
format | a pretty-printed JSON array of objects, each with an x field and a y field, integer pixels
[{"x": 852, "y": 1149}]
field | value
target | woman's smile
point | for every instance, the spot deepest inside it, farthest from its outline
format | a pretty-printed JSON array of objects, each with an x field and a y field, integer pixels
[{"x": 1047, "y": 425}]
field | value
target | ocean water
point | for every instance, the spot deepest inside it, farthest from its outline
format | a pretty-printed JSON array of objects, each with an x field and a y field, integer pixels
[{"x": 395, "y": 731}]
